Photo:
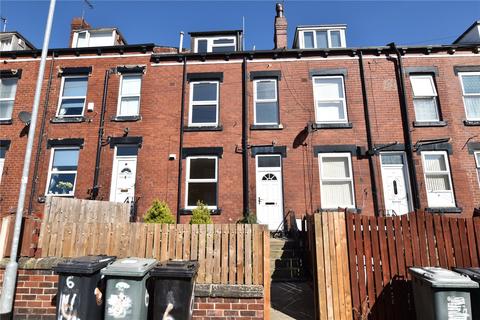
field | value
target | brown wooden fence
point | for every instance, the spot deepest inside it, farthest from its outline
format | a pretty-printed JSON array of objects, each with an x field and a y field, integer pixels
[
  {"x": 382, "y": 249},
  {"x": 30, "y": 232},
  {"x": 227, "y": 253},
  {"x": 328, "y": 246},
  {"x": 380, "y": 252}
]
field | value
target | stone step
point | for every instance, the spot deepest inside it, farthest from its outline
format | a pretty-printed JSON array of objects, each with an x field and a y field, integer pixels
[
  {"x": 286, "y": 263},
  {"x": 290, "y": 274},
  {"x": 283, "y": 244}
]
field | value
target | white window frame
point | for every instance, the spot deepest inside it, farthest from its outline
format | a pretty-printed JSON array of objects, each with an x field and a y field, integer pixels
[
  {"x": 210, "y": 44},
  {"x": 49, "y": 176},
  {"x": 434, "y": 97},
  {"x": 315, "y": 98},
  {"x": 87, "y": 38},
  {"x": 113, "y": 183},
  {"x": 2, "y": 164},
  {"x": 477, "y": 164},
  {"x": 11, "y": 99},
  {"x": 255, "y": 99},
  {"x": 120, "y": 96},
  {"x": 60, "y": 98},
  {"x": 329, "y": 38},
  {"x": 188, "y": 180},
  {"x": 204, "y": 102},
  {"x": 348, "y": 155},
  {"x": 460, "y": 75},
  {"x": 425, "y": 173},
  {"x": 6, "y": 44}
]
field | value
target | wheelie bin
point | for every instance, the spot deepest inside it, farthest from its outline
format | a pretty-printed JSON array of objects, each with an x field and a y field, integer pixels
[{"x": 474, "y": 274}]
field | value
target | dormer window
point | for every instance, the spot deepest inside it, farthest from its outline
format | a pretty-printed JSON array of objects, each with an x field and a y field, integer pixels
[
  {"x": 215, "y": 44},
  {"x": 95, "y": 38},
  {"x": 6, "y": 44},
  {"x": 320, "y": 37}
]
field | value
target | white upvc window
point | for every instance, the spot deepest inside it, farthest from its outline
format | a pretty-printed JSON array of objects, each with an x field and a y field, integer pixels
[
  {"x": 438, "y": 181},
  {"x": 471, "y": 94},
  {"x": 322, "y": 39},
  {"x": 73, "y": 94},
  {"x": 6, "y": 44},
  {"x": 336, "y": 180},
  {"x": 129, "y": 95},
  {"x": 98, "y": 38},
  {"x": 477, "y": 164},
  {"x": 216, "y": 44},
  {"x": 202, "y": 181},
  {"x": 62, "y": 173},
  {"x": 330, "y": 102},
  {"x": 266, "y": 101},
  {"x": 203, "y": 103},
  {"x": 8, "y": 88},
  {"x": 425, "y": 99},
  {"x": 3, "y": 152}
]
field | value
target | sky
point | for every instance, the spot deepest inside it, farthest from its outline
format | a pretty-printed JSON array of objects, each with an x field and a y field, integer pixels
[{"x": 369, "y": 23}]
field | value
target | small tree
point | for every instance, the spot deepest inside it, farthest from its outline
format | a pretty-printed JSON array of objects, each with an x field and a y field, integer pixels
[
  {"x": 159, "y": 212},
  {"x": 201, "y": 214}
]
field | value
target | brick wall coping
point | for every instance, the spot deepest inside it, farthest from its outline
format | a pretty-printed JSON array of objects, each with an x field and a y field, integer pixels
[{"x": 34, "y": 263}]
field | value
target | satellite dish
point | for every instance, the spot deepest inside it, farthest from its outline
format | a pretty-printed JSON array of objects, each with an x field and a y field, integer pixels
[{"x": 25, "y": 117}]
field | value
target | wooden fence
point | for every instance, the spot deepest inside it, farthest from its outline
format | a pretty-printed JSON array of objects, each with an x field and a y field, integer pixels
[
  {"x": 326, "y": 241},
  {"x": 30, "y": 231},
  {"x": 380, "y": 252},
  {"x": 382, "y": 249}
]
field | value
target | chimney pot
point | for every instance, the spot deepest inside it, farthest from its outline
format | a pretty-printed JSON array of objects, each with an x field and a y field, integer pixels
[{"x": 280, "y": 37}]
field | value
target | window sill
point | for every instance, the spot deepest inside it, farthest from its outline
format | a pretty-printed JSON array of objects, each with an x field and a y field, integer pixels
[
  {"x": 444, "y": 210},
  {"x": 196, "y": 129},
  {"x": 351, "y": 210},
  {"x": 126, "y": 118},
  {"x": 471, "y": 123},
  {"x": 266, "y": 127},
  {"x": 346, "y": 125},
  {"x": 6, "y": 121},
  {"x": 188, "y": 212},
  {"x": 68, "y": 119},
  {"x": 427, "y": 124}
]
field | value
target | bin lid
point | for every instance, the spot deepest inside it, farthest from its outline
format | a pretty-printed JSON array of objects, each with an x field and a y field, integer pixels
[
  {"x": 131, "y": 267},
  {"x": 84, "y": 265},
  {"x": 175, "y": 269},
  {"x": 442, "y": 278},
  {"x": 473, "y": 273}
]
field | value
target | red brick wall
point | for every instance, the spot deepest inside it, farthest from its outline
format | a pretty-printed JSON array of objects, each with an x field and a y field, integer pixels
[{"x": 37, "y": 289}]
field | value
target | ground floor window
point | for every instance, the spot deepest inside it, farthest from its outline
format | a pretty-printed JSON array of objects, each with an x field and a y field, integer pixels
[
  {"x": 62, "y": 173},
  {"x": 438, "y": 180},
  {"x": 202, "y": 181},
  {"x": 336, "y": 180},
  {"x": 3, "y": 152}
]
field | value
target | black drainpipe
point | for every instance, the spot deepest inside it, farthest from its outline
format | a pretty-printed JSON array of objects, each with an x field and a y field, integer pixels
[
  {"x": 101, "y": 130},
  {"x": 180, "y": 144},
  {"x": 246, "y": 206},
  {"x": 371, "y": 152},
  {"x": 406, "y": 127},
  {"x": 40, "y": 138}
]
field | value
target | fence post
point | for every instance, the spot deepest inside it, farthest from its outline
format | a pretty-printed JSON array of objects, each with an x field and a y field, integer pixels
[{"x": 266, "y": 273}]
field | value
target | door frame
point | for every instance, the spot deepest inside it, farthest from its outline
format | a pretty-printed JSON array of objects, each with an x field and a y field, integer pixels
[
  {"x": 406, "y": 176},
  {"x": 113, "y": 183},
  {"x": 281, "y": 187}
]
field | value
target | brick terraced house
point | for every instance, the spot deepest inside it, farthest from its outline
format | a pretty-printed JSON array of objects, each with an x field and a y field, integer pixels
[{"x": 378, "y": 130}]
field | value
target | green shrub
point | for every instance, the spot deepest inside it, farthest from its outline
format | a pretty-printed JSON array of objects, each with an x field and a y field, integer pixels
[
  {"x": 159, "y": 212},
  {"x": 201, "y": 214},
  {"x": 250, "y": 218}
]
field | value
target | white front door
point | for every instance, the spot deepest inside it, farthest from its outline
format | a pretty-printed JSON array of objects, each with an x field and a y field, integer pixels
[
  {"x": 396, "y": 190},
  {"x": 269, "y": 190},
  {"x": 123, "y": 177}
]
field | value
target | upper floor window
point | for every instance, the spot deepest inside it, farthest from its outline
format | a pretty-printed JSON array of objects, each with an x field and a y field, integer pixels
[
  {"x": 471, "y": 94},
  {"x": 330, "y": 103},
  {"x": 62, "y": 174},
  {"x": 216, "y": 44},
  {"x": 438, "y": 180},
  {"x": 266, "y": 101},
  {"x": 73, "y": 96},
  {"x": 425, "y": 98},
  {"x": 336, "y": 180},
  {"x": 477, "y": 164},
  {"x": 129, "y": 95},
  {"x": 8, "y": 88},
  {"x": 3, "y": 152},
  {"x": 202, "y": 180},
  {"x": 203, "y": 103},
  {"x": 322, "y": 39}
]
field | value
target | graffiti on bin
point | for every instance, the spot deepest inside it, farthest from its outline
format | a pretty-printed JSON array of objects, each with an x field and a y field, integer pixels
[
  {"x": 169, "y": 308},
  {"x": 457, "y": 308},
  {"x": 119, "y": 304},
  {"x": 69, "y": 301}
]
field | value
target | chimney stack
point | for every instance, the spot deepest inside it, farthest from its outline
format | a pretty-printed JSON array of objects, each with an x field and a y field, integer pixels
[{"x": 280, "y": 37}]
